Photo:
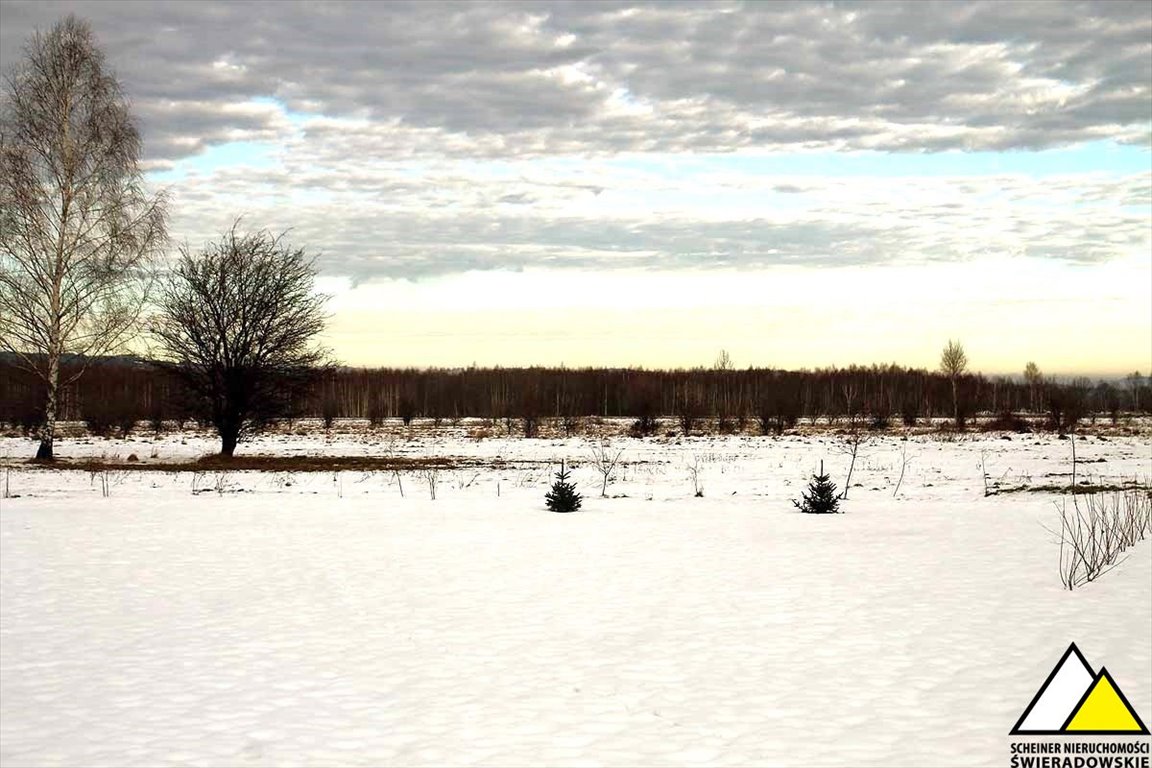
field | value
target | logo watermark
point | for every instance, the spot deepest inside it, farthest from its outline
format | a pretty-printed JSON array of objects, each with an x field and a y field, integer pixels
[{"x": 1076, "y": 701}]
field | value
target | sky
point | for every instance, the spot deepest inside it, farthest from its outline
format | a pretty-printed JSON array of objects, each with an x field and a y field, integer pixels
[{"x": 603, "y": 183}]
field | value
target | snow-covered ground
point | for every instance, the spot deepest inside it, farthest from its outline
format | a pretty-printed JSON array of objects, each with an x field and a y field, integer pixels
[{"x": 329, "y": 619}]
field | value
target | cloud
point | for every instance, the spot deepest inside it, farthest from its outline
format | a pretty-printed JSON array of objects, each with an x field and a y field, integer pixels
[
  {"x": 416, "y": 218},
  {"x": 422, "y": 139},
  {"x": 517, "y": 79}
]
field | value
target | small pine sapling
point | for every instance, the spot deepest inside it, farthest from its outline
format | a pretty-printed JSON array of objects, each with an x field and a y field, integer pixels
[
  {"x": 821, "y": 498},
  {"x": 563, "y": 496}
]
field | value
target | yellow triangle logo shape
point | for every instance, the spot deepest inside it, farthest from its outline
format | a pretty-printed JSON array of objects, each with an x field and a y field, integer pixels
[{"x": 1104, "y": 710}]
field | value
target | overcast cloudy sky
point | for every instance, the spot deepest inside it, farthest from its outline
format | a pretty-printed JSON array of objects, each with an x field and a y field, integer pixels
[{"x": 614, "y": 183}]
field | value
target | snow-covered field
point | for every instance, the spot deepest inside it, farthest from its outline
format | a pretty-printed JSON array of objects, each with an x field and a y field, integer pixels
[{"x": 284, "y": 618}]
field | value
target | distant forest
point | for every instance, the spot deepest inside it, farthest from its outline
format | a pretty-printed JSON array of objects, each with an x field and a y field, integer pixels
[{"x": 121, "y": 393}]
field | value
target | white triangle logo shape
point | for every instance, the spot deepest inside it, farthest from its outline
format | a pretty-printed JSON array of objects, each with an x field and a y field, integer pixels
[{"x": 1059, "y": 695}]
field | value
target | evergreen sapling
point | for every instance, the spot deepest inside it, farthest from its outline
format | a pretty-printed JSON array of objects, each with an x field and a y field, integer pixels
[
  {"x": 563, "y": 496},
  {"x": 821, "y": 496}
]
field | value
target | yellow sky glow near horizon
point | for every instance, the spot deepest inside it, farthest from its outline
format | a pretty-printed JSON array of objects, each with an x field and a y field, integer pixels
[{"x": 1070, "y": 319}]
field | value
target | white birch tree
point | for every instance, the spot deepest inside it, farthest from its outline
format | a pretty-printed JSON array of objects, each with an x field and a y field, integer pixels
[{"x": 78, "y": 230}]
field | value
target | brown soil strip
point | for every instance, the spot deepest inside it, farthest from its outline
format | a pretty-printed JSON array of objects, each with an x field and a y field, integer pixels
[{"x": 257, "y": 463}]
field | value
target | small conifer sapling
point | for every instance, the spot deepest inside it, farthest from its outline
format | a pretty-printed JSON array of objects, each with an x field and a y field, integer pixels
[
  {"x": 821, "y": 496},
  {"x": 563, "y": 496}
]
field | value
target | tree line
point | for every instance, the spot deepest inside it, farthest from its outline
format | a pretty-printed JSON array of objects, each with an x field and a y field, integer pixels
[{"x": 126, "y": 391}]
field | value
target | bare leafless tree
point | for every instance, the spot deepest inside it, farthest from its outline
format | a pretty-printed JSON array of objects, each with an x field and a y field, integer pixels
[
  {"x": 1035, "y": 380},
  {"x": 237, "y": 325},
  {"x": 77, "y": 229},
  {"x": 723, "y": 361},
  {"x": 1134, "y": 381},
  {"x": 904, "y": 460},
  {"x": 953, "y": 364},
  {"x": 850, "y": 446},
  {"x": 605, "y": 459},
  {"x": 694, "y": 470}
]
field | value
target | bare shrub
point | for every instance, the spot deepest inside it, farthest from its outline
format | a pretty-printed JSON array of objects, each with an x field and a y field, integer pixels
[
  {"x": 432, "y": 477},
  {"x": 29, "y": 420},
  {"x": 126, "y": 422},
  {"x": 97, "y": 421},
  {"x": 328, "y": 411},
  {"x": 779, "y": 410},
  {"x": 1006, "y": 421},
  {"x": 644, "y": 403},
  {"x": 104, "y": 415},
  {"x": 531, "y": 410},
  {"x": 879, "y": 420},
  {"x": 694, "y": 476},
  {"x": 1097, "y": 529},
  {"x": 376, "y": 411},
  {"x": 569, "y": 412},
  {"x": 604, "y": 459},
  {"x": 644, "y": 426},
  {"x": 156, "y": 420},
  {"x": 406, "y": 410},
  {"x": 910, "y": 411},
  {"x": 1067, "y": 404},
  {"x": 689, "y": 413},
  {"x": 107, "y": 478}
]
